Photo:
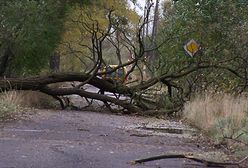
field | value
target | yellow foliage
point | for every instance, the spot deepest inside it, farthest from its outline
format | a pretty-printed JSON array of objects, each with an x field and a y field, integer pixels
[{"x": 79, "y": 26}]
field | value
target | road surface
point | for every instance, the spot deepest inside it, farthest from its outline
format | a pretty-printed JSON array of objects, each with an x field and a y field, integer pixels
[{"x": 77, "y": 139}]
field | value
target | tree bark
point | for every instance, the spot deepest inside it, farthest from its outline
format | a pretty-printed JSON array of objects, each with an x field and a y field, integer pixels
[
  {"x": 42, "y": 84},
  {"x": 154, "y": 32},
  {"x": 36, "y": 83}
]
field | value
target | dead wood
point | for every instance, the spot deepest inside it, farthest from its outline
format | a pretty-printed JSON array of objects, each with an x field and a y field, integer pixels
[
  {"x": 191, "y": 157},
  {"x": 69, "y": 91},
  {"x": 38, "y": 82},
  {"x": 41, "y": 83}
]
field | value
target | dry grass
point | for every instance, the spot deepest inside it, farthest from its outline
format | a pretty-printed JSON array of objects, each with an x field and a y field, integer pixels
[
  {"x": 12, "y": 102},
  {"x": 9, "y": 103},
  {"x": 219, "y": 115}
]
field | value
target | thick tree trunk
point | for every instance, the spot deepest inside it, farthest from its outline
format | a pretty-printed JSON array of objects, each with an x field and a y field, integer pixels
[
  {"x": 36, "y": 83},
  {"x": 42, "y": 84}
]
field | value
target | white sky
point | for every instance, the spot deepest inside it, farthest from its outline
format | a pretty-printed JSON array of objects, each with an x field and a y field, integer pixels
[{"x": 140, "y": 6}]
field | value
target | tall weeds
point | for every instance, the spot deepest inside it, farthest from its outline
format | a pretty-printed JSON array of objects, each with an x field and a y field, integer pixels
[
  {"x": 9, "y": 103},
  {"x": 12, "y": 102},
  {"x": 222, "y": 116}
]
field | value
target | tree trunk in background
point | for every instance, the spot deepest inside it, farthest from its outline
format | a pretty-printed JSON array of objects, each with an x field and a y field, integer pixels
[
  {"x": 55, "y": 62},
  {"x": 154, "y": 32},
  {"x": 144, "y": 28},
  {"x": 148, "y": 14},
  {"x": 145, "y": 32},
  {"x": 4, "y": 58}
]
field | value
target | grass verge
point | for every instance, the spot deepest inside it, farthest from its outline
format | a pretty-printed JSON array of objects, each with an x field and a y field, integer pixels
[{"x": 223, "y": 117}]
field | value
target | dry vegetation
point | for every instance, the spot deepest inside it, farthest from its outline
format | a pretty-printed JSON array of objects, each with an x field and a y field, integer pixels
[
  {"x": 9, "y": 104},
  {"x": 224, "y": 117},
  {"x": 15, "y": 102}
]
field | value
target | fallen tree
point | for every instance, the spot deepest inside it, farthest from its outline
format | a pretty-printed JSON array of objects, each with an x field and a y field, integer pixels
[
  {"x": 178, "y": 82},
  {"x": 43, "y": 84}
]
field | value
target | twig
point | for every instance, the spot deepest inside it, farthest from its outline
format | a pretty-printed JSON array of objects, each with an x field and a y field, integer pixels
[{"x": 242, "y": 160}]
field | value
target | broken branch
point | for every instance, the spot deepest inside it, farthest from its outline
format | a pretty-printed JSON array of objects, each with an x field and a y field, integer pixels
[{"x": 191, "y": 157}]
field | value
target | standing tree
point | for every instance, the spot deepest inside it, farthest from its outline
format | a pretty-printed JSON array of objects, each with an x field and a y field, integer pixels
[{"x": 154, "y": 32}]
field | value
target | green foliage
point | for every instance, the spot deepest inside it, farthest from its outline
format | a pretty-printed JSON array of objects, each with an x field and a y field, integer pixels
[
  {"x": 229, "y": 127},
  {"x": 232, "y": 129},
  {"x": 33, "y": 28},
  {"x": 219, "y": 26}
]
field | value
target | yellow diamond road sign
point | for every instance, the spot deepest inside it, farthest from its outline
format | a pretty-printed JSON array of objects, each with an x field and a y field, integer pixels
[{"x": 191, "y": 47}]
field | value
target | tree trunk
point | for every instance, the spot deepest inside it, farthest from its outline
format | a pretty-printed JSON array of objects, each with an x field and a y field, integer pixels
[
  {"x": 145, "y": 30},
  {"x": 4, "y": 59},
  {"x": 54, "y": 62},
  {"x": 42, "y": 84},
  {"x": 154, "y": 32}
]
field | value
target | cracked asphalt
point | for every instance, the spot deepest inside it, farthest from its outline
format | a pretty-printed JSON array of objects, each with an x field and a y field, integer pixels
[{"x": 78, "y": 139}]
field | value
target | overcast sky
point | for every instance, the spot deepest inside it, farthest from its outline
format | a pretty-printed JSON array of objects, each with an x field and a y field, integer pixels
[{"x": 140, "y": 7}]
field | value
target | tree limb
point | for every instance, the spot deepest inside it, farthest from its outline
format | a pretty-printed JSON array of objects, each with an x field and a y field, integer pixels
[{"x": 188, "y": 156}]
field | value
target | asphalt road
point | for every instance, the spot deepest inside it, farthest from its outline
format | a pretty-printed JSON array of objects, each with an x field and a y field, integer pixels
[{"x": 70, "y": 139}]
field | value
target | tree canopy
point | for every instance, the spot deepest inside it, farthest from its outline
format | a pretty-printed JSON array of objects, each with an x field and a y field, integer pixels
[
  {"x": 31, "y": 31},
  {"x": 220, "y": 27}
]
